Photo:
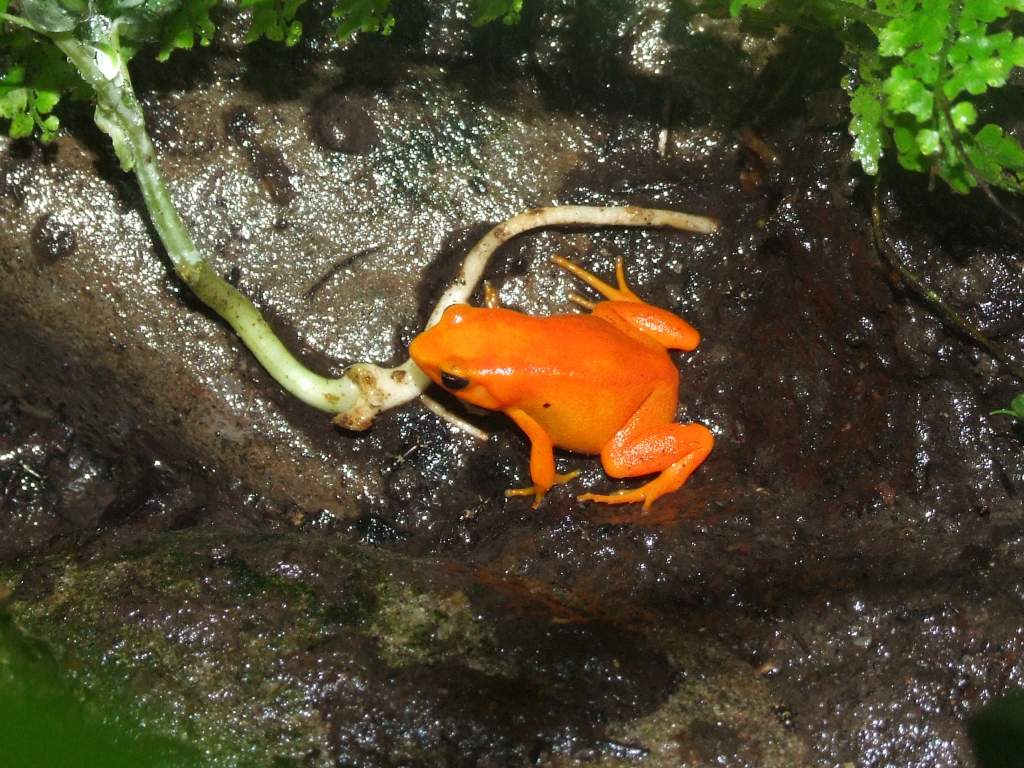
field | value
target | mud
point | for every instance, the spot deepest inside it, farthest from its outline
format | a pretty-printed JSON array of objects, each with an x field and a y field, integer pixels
[{"x": 837, "y": 584}]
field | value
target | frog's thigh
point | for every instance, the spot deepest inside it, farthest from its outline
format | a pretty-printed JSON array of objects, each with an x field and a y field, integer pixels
[
  {"x": 668, "y": 329},
  {"x": 656, "y": 449},
  {"x": 643, "y": 448}
]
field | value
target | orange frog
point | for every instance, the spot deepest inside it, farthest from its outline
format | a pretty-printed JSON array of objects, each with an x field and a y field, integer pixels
[{"x": 600, "y": 383}]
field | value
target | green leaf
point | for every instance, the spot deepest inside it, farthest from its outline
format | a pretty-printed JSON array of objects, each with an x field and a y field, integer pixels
[
  {"x": 908, "y": 152},
  {"x": 45, "y": 101},
  {"x": 963, "y": 115},
  {"x": 895, "y": 38},
  {"x": 190, "y": 23},
  {"x": 15, "y": 76},
  {"x": 363, "y": 16},
  {"x": 996, "y": 158},
  {"x": 932, "y": 25},
  {"x": 13, "y": 102},
  {"x": 985, "y": 10},
  {"x": 928, "y": 141},
  {"x": 274, "y": 20},
  {"x": 487, "y": 11},
  {"x": 38, "y": 75},
  {"x": 736, "y": 6},
  {"x": 908, "y": 94},
  {"x": 959, "y": 180},
  {"x": 925, "y": 66},
  {"x": 48, "y": 129},
  {"x": 49, "y": 15},
  {"x": 1003, "y": 148},
  {"x": 22, "y": 125},
  {"x": 1016, "y": 409},
  {"x": 866, "y": 127},
  {"x": 1015, "y": 52}
]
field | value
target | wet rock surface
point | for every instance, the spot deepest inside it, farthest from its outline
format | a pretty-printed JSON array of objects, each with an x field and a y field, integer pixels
[
  {"x": 319, "y": 652},
  {"x": 836, "y": 584}
]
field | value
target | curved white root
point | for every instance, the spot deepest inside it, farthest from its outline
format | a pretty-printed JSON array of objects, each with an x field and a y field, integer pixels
[
  {"x": 384, "y": 388},
  {"x": 453, "y": 418}
]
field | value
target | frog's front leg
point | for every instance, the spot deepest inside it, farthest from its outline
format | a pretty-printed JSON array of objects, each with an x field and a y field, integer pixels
[
  {"x": 647, "y": 445},
  {"x": 542, "y": 459}
]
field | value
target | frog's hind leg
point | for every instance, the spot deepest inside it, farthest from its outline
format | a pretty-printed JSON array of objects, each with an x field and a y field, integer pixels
[
  {"x": 582, "y": 301},
  {"x": 647, "y": 445},
  {"x": 629, "y": 312},
  {"x": 691, "y": 442},
  {"x": 622, "y": 293}
]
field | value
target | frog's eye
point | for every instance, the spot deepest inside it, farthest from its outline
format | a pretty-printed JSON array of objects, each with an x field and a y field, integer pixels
[{"x": 453, "y": 382}]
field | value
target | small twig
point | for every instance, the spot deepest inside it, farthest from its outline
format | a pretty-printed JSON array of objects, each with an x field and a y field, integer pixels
[
  {"x": 666, "y": 123},
  {"x": 403, "y": 457},
  {"x": 947, "y": 313},
  {"x": 29, "y": 471},
  {"x": 336, "y": 267},
  {"x": 757, "y": 145}
]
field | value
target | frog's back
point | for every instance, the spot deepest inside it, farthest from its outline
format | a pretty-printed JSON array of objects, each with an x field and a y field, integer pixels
[
  {"x": 568, "y": 347},
  {"x": 579, "y": 376}
]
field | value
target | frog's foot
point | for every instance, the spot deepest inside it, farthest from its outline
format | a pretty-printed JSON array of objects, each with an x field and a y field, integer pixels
[
  {"x": 626, "y": 496},
  {"x": 666, "y": 482},
  {"x": 646, "y": 493},
  {"x": 622, "y": 293},
  {"x": 538, "y": 492},
  {"x": 673, "y": 450}
]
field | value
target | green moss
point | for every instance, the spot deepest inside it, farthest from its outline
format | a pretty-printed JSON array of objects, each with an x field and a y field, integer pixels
[
  {"x": 216, "y": 685},
  {"x": 423, "y": 628},
  {"x": 202, "y": 648}
]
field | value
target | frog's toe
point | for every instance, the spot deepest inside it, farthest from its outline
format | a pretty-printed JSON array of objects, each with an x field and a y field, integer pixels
[
  {"x": 566, "y": 477},
  {"x": 537, "y": 491},
  {"x": 530, "y": 490}
]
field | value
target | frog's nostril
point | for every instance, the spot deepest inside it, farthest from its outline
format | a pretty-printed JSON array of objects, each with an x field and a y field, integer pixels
[{"x": 453, "y": 382}]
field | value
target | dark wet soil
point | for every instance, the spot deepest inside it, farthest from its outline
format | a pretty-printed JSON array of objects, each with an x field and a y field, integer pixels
[{"x": 839, "y": 584}]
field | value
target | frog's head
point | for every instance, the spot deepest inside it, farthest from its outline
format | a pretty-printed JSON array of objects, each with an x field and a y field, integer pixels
[{"x": 455, "y": 352}]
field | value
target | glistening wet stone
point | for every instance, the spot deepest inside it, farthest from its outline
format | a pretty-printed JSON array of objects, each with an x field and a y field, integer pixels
[
  {"x": 343, "y": 123},
  {"x": 280, "y": 646},
  {"x": 841, "y": 560},
  {"x": 52, "y": 240}
]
